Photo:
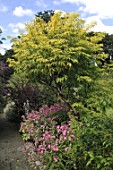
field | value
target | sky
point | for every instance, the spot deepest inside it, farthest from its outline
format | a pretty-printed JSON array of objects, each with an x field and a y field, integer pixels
[{"x": 15, "y": 13}]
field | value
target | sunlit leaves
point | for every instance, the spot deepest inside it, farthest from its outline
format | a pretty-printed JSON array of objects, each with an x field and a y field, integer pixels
[{"x": 60, "y": 53}]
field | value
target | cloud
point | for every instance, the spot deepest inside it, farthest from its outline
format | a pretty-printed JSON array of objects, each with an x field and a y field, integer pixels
[
  {"x": 16, "y": 30},
  {"x": 4, "y": 47},
  {"x": 77, "y": 2},
  {"x": 56, "y": 2},
  {"x": 3, "y": 8},
  {"x": 104, "y": 9},
  {"x": 62, "y": 13},
  {"x": 20, "y": 12},
  {"x": 41, "y": 3},
  {"x": 99, "y": 26},
  {"x": 18, "y": 25},
  {"x": 98, "y": 10}
]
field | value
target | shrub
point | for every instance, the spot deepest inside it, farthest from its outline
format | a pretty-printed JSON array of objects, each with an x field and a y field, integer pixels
[
  {"x": 69, "y": 145},
  {"x": 21, "y": 91},
  {"x": 95, "y": 147},
  {"x": 49, "y": 143}
]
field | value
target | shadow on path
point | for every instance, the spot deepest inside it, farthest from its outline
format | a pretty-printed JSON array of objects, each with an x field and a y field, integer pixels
[{"x": 11, "y": 157}]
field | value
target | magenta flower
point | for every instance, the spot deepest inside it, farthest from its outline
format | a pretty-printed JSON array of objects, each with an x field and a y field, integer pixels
[
  {"x": 72, "y": 136},
  {"x": 54, "y": 148},
  {"x": 49, "y": 147},
  {"x": 58, "y": 129},
  {"x": 55, "y": 158},
  {"x": 64, "y": 132},
  {"x": 42, "y": 126},
  {"x": 65, "y": 138}
]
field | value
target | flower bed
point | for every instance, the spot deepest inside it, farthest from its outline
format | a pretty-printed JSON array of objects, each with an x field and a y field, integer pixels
[{"x": 48, "y": 142}]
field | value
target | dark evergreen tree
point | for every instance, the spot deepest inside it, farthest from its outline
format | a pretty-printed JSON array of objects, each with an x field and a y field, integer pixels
[
  {"x": 46, "y": 15},
  {"x": 8, "y": 54}
]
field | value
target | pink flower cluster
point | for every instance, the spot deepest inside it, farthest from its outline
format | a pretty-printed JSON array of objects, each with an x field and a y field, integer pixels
[
  {"x": 47, "y": 137},
  {"x": 54, "y": 141},
  {"x": 39, "y": 119},
  {"x": 64, "y": 132}
]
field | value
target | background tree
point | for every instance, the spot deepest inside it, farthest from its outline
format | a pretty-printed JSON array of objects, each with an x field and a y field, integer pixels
[
  {"x": 1, "y": 38},
  {"x": 8, "y": 54},
  {"x": 107, "y": 42},
  {"x": 108, "y": 45},
  {"x": 3, "y": 68},
  {"x": 46, "y": 15}
]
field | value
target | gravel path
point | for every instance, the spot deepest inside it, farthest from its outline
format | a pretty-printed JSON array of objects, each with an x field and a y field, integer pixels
[{"x": 11, "y": 158}]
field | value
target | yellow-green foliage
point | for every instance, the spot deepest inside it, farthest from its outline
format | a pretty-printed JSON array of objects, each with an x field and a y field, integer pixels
[
  {"x": 54, "y": 46},
  {"x": 59, "y": 54}
]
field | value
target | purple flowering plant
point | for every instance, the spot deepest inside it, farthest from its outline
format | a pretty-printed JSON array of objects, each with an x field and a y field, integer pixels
[{"x": 49, "y": 144}]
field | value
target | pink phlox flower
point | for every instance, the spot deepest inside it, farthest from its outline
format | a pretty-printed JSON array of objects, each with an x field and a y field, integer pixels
[
  {"x": 72, "y": 135},
  {"x": 32, "y": 116},
  {"x": 49, "y": 146},
  {"x": 31, "y": 131},
  {"x": 55, "y": 158},
  {"x": 42, "y": 126},
  {"x": 55, "y": 108},
  {"x": 42, "y": 152},
  {"x": 64, "y": 137},
  {"x": 58, "y": 106},
  {"x": 37, "y": 130},
  {"x": 36, "y": 112},
  {"x": 61, "y": 138},
  {"x": 49, "y": 119},
  {"x": 63, "y": 127},
  {"x": 52, "y": 137},
  {"x": 40, "y": 139},
  {"x": 36, "y": 141},
  {"x": 58, "y": 129},
  {"x": 54, "y": 148},
  {"x": 41, "y": 147},
  {"x": 56, "y": 142},
  {"x": 44, "y": 110},
  {"x": 64, "y": 132},
  {"x": 22, "y": 125},
  {"x": 38, "y": 117},
  {"x": 32, "y": 125},
  {"x": 47, "y": 136}
]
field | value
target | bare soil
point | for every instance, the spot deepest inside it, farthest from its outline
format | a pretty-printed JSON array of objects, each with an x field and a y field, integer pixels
[{"x": 11, "y": 156}]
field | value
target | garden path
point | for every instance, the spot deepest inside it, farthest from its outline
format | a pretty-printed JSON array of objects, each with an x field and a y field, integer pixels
[{"x": 11, "y": 157}]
